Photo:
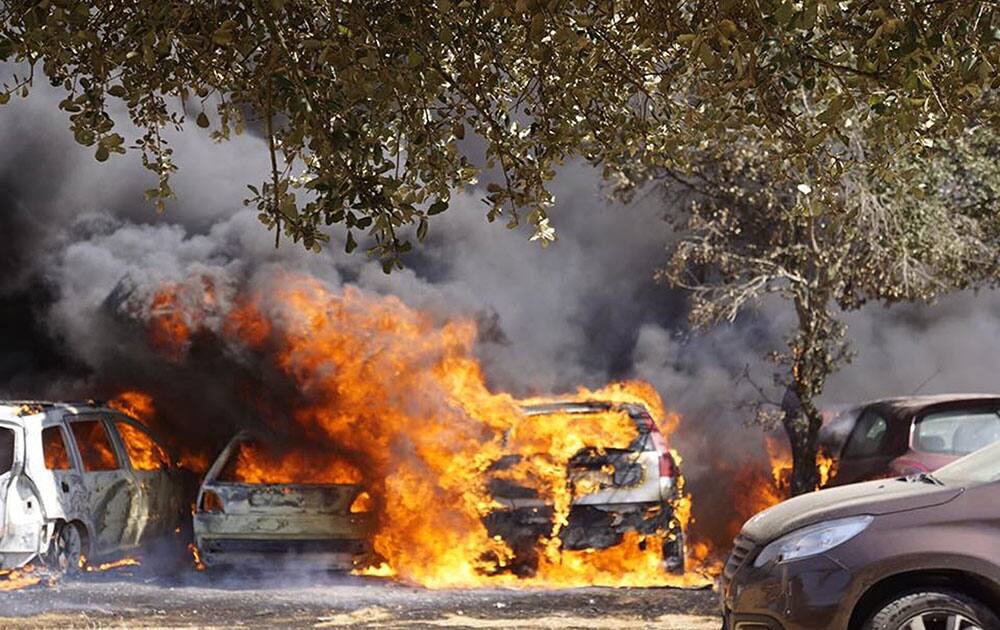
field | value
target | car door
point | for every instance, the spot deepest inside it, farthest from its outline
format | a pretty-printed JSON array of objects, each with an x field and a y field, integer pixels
[
  {"x": 152, "y": 469},
  {"x": 8, "y": 452},
  {"x": 66, "y": 473},
  {"x": 871, "y": 445},
  {"x": 113, "y": 497}
]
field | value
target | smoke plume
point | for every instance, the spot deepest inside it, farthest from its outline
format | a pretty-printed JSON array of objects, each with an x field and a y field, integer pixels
[{"x": 83, "y": 249}]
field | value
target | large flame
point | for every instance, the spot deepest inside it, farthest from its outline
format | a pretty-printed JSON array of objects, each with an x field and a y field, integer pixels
[
  {"x": 760, "y": 490},
  {"x": 145, "y": 454},
  {"x": 397, "y": 401}
]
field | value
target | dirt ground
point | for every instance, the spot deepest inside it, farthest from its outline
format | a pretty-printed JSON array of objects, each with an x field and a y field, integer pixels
[{"x": 131, "y": 598}]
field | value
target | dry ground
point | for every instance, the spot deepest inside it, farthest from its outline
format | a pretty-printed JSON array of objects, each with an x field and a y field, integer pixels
[{"x": 130, "y": 598}]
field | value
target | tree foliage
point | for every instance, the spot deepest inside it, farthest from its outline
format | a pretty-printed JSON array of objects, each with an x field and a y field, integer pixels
[
  {"x": 375, "y": 112},
  {"x": 831, "y": 151},
  {"x": 750, "y": 231}
]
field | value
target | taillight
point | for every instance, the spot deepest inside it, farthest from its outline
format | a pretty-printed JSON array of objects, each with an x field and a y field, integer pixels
[
  {"x": 211, "y": 502},
  {"x": 667, "y": 466}
]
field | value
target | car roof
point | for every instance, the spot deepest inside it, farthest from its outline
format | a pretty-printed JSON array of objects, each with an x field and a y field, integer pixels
[
  {"x": 581, "y": 407},
  {"x": 906, "y": 405},
  {"x": 24, "y": 411}
]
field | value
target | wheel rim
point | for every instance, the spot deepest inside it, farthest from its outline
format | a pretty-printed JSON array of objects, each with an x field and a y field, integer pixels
[{"x": 940, "y": 620}]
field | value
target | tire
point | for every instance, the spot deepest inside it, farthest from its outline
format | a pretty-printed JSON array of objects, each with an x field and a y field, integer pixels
[
  {"x": 66, "y": 551},
  {"x": 933, "y": 609},
  {"x": 674, "y": 553}
]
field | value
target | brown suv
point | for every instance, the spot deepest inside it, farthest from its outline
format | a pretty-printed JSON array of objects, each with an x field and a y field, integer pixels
[{"x": 917, "y": 552}]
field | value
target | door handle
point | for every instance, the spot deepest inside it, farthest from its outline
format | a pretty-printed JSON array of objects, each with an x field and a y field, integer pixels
[{"x": 65, "y": 486}]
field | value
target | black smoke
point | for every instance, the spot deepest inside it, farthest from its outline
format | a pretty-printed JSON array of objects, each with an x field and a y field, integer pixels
[{"x": 582, "y": 312}]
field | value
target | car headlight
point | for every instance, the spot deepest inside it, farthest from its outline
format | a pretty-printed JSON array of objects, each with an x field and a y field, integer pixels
[{"x": 813, "y": 540}]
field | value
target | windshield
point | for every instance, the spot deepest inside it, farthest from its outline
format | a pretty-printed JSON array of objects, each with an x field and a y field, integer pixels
[{"x": 983, "y": 466}]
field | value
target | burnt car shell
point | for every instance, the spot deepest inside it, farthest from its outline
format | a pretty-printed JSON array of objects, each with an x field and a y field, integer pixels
[
  {"x": 249, "y": 524},
  {"x": 632, "y": 490},
  {"x": 921, "y": 533}
]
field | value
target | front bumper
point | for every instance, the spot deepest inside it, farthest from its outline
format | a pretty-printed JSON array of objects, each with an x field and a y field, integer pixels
[{"x": 814, "y": 593}]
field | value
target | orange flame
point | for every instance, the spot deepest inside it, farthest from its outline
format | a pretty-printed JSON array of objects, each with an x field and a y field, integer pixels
[
  {"x": 114, "y": 564},
  {"x": 11, "y": 580},
  {"x": 144, "y": 453},
  {"x": 255, "y": 464},
  {"x": 405, "y": 394},
  {"x": 196, "y": 557},
  {"x": 827, "y": 467}
]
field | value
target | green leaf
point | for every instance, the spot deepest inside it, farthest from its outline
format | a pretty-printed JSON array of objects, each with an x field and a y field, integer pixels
[
  {"x": 202, "y": 120},
  {"x": 351, "y": 243},
  {"x": 117, "y": 91},
  {"x": 784, "y": 12},
  {"x": 222, "y": 37},
  {"x": 102, "y": 153},
  {"x": 437, "y": 207}
]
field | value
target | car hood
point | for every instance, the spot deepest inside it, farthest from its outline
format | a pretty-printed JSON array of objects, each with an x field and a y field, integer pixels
[{"x": 884, "y": 496}]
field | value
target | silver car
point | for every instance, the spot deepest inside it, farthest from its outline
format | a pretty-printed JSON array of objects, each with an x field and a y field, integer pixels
[
  {"x": 81, "y": 482},
  {"x": 252, "y": 522}
]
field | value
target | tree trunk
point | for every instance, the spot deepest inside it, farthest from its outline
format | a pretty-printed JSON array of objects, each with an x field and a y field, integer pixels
[
  {"x": 802, "y": 429},
  {"x": 815, "y": 352}
]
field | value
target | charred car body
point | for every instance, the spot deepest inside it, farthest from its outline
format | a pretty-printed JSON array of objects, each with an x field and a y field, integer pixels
[
  {"x": 627, "y": 489},
  {"x": 80, "y": 481},
  {"x": 241, "y": 522},
  {"x": 903, "y": 436}
]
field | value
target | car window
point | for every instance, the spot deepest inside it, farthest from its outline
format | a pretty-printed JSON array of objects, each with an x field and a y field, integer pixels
[
  {"x": 6, "y": 450},
  {"x": 142, "y": 449},
  {"x": 54, "y": 449},
  {"x": 957, "y": 431},
  {"x": 256, "y": 462},
  {"x": 869, "y": 435},
  {"x": 94, "y": 446}
]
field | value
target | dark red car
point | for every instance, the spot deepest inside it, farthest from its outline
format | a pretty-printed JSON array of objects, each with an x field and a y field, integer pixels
[
  {"x": 905, "y": 436},
  {"x": 911, "y": 553}
]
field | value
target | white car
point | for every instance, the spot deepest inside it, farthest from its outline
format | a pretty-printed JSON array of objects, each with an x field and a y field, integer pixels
[
  {"x": 81, "y": 482},
  {"x": 620, "y": 490}
]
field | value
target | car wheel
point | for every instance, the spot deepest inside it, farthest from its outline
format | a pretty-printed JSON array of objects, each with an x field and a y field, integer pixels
[
  {"x": 65, "y": 554},
  {"x": 673, "y": 554},
  {"x": 933, "y": 610}
]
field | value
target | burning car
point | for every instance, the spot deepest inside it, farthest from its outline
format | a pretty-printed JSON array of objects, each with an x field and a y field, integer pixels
[
  {"x": 903, "y": 436},
  {"x": 613, "y": 491},
  {"x": 253, "y": 508},
  {"x": 80, "y": 482}
]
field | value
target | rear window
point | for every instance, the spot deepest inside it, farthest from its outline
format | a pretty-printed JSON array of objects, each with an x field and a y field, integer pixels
[
  {"x": 255, "y": 462},
  {"x": 54, "y": 449},
  {"x": 94, "y": 446},
  {"x": 6, "y": 450},
  {"x": 956, "y": 432},
  {"x": 143, "y": 451}
]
